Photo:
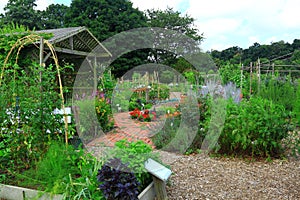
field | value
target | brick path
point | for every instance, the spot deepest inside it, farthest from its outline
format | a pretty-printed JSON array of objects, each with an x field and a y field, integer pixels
[{"x": 127, "y": 128}]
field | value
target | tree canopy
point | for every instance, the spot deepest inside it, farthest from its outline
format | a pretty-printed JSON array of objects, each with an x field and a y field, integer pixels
[
  {"x": 22, "y": 12},
  {"x": 104, "y": 18}
]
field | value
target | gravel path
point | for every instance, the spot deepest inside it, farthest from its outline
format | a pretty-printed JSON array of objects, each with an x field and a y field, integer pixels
[{"x": 202, "y": 177}]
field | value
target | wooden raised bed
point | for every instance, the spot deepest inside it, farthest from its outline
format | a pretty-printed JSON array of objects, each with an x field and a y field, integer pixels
[{"x": 9, "y": 192}]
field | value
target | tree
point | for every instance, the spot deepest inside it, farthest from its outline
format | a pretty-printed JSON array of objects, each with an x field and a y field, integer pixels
[
  {"x": 54, "y": 16},
  {"x": 173, "y": 20},
  {"x": 104, "y": 18},
  {"x": 22, "y": 12},
  {"x": 181, "y": 25}
]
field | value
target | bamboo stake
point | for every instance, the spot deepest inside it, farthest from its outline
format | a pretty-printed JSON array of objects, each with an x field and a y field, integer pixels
[{"x": 32, "y": 38}]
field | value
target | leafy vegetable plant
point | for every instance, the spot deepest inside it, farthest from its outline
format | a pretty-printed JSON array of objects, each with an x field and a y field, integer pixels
[
  {"x": 117, "y": 181},
  {"x": 135, "y": 154}
]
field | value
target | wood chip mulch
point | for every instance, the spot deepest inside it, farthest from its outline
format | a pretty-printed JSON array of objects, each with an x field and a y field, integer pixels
[{"x": 202, "y": 177}]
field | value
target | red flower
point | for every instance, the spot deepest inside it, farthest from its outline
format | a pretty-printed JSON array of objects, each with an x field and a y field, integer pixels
[
  {"x": 146, "y": 116},
  {"x": 135, "y": 113}
]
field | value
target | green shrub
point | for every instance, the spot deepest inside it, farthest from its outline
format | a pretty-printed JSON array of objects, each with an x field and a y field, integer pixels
[
  {"x": 159, "y": 91},
  {"x": 104, "y": 114},
  {"x": 296, "y": 109},
  {"x": 57, "y": 164},
  {"x": 167, "y": 133},
  {"x": 135, "y": 154},
  {"x": 28, "y": 124},
  {"x": 100, "y": 107},
  {"x": 255, "y": 127},
  {"x": 279, "y": 91},
  {"x": 64, "y": 170},
  {"x": 292, "y": 144}
]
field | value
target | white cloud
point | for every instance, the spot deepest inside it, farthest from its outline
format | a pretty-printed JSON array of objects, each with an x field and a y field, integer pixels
[
  {"x": 241, "y": 23},
  {"x": 156, "y": 4},
  {"x": 2, "y": 5},
  {"x": 289, "y": 16},
  {"x": 41, "y": 4},
  {"x": 231, "y": 22}
]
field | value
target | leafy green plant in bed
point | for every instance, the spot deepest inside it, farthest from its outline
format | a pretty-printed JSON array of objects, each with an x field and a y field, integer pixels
[
  {"x": 167, "y": 133},
  {"x": 135, "y": 154},
  {"x": 64, "y": 170},
  {"x": 85, "y": 184},
  {"x": 296, "y": 109},
  {"x": 28, "y": 124},
  {"x": 280, "y": 90},
  {"x": 159, "y": 91},
  {"x": 56, "y": 165},
  {"x": 255, "y": 128}
]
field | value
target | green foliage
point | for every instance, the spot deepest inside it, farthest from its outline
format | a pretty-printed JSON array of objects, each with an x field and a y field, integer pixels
[
  {"x": 167, "y": 133},
  {"x": 27, "y": 118},
  {"x": 166, "y": 76},
  {"x": 98, "y": 105},
  {"x": 104, "y": 114},
  {"x": 231, "y": 73},
  {"x": 193, "y": 77},
  {"x": 204, "y": 104},
  {"x": 85, "y": 184},
  {"x": 291, "y": 144},
  {"x": 54, "y": 16},
  {"x": 255, "y": 127},
  {"x": 135, "y": 154},
  {"x": 159, "y": 91},
  {"x": 296, "y": 109},
  {"x": 104, "y": 18},
  {"x": 64, "y": 170},
  {"x": 181, "y": 65},
  {"x": 279, "y": 91},
  {"x": 107, "y": 84},
  {"x": 136, "y": 102},
  {"x": 22, "y": 12},
  {"x": 58, "y": 163},
  {"x": 173, "y": 20}
]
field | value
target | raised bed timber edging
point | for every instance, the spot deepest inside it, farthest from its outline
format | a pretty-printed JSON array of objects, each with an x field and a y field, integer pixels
[
  {"x": 148, "y": 193},
  {"x": 9, "y": 192}
]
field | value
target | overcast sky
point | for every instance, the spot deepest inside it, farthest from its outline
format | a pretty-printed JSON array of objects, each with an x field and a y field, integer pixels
[{"x": 231, "y": 22}]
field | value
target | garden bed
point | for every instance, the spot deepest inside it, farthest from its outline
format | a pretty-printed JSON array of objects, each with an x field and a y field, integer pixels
[{"x": 9, "y": 192}]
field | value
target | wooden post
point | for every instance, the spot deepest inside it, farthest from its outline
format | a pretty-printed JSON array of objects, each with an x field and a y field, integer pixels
[
  {"x": 41, "y": 74},
  {"x": 241, "y": 86},
  {"x": 95, "y": 75},
  {"x": 250, "y": 89},
  {"x": 41, "y": 57},
  {"x": 160, "y": 188},
  {"x": 160, "y": 175},
  {"x": 95, "y": 84},
  {"x": 273, "y": 66},
  {"x": 258, "y": 74}
]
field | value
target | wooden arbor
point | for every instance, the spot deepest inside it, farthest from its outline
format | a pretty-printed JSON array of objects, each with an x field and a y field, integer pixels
[
  {"x": 141, "y": 90},
  {"x": 72, "y": 45}
]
